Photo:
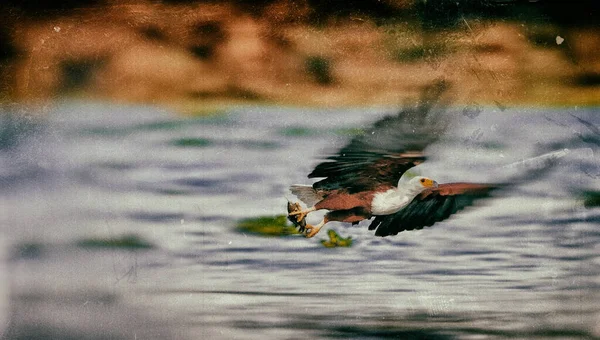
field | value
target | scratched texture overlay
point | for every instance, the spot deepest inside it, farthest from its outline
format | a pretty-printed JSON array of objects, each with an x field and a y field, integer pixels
[{"x": 140, "y": 140}]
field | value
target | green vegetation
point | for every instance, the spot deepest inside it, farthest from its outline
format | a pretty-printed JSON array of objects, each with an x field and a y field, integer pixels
[
  {"x": 302, "y": 131},
  {"x": 335, "y": 240},
  {"x": 192, "y": 142},
  {"x": 164, "y": 125},
  {"x": 278, "y": 226},
  {"x": 421, "y": 53},
  {"x": 270, "y": 226},
  {"x": 591, "y": 199},
  {"x": 298, "y": 131},
  {"x": 131, "y": 242},
  {"x": 320, "y": 69}
]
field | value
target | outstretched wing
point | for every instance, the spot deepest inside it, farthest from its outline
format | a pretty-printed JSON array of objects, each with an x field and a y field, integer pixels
[
  {"x": 432, "y": 205},
  {"x": 384, "y": 152}
]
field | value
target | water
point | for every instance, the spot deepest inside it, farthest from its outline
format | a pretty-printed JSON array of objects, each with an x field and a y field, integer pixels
[{"x": 523, "y": 265}]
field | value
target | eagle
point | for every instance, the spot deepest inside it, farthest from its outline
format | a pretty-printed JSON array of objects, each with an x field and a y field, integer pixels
[{"x": 363, "y": 180}]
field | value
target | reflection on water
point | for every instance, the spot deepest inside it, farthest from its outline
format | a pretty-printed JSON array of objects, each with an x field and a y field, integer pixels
[{"x": 122, "y": 224}]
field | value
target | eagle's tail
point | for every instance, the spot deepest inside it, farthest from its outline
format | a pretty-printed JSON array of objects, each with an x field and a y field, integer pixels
[{"x": 307, "y": 194}]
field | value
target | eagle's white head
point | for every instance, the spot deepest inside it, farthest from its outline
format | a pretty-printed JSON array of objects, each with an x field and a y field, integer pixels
[{"x": 419, "y": 184}]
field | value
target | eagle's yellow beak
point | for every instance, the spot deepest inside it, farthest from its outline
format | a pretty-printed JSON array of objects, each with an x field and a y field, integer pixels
[{"x": 429, "y": 183}]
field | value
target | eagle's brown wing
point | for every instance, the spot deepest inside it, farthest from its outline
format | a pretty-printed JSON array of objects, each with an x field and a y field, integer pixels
[
  {"x": 432, "y": 205},
  {"x": 384, "y": 152}
]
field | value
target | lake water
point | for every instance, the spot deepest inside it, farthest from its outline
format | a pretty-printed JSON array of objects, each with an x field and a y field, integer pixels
[{"x": 168, "y": 191}]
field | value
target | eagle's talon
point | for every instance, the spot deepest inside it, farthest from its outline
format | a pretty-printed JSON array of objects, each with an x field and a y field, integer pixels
[
  {"x": 301, "y": 214},
  {"x": 313, "y": 232},
  {"x": 300, "y": 217},
  {"x": 314, "y": 229}
]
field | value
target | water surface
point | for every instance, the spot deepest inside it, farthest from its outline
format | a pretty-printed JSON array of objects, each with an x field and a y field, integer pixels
[{"x": 119, "y": 223}]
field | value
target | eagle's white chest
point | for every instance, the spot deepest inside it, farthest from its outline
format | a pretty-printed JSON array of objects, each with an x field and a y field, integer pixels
[{"x": 390, "y": 201}]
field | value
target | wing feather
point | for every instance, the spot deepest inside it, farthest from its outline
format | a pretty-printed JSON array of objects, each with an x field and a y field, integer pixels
[
  {"x": 307, "y": 194},
  {"x": 431, "y": 206},
  {"x": 384, "y": 152}
]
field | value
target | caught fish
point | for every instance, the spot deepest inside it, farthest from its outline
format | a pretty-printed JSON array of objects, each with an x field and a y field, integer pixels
[{"x": 293, "y": 207}]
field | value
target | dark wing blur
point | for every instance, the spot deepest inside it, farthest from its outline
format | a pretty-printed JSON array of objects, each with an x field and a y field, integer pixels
[
  {"x": 384, "y": 152},
  {"x": 433, "y": 205}
]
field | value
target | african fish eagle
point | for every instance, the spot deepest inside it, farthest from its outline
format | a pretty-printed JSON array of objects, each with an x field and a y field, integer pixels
[{"x": 363, "y": 180}]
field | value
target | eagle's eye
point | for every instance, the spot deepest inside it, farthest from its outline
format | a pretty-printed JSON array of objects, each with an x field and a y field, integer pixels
[{"x": 422, "y": 180}]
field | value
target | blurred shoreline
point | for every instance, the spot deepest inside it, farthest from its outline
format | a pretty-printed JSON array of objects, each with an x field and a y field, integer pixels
[{"x": 197, "y": 56}]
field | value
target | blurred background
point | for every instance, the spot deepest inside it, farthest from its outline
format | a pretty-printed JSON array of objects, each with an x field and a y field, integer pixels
[
  {"x": 147, "y": 147},
  {"x": 303, "y": 52}
]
